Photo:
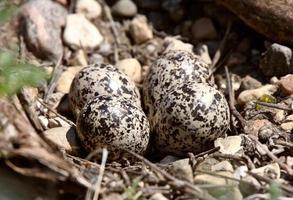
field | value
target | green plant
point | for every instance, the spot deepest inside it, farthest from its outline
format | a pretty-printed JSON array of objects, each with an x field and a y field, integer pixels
[
  {"x": 6, "y": 10},
  {"x": 274, "y": 191},
  {"x": 132, "y": 190},
  {"x": 15, "y": 74}
]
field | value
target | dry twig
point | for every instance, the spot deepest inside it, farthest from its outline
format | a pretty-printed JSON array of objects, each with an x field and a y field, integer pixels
[{"x": 232, "y": 99}]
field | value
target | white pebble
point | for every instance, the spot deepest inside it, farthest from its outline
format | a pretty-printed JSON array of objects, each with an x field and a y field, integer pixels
[{"x": 81, "y": 33}]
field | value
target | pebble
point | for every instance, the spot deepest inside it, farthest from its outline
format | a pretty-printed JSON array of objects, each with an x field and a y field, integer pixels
[
  {"x": 139, "y": 30},
  {"x": 250, "y": 95},
  {"x": 124, "y": 8},
  {"x": 248, "y": 83},
  {"x": 145, "y": 71},
  {"x": 41, "y": 22},
  {"x": 169, "y": 159},
  {"x": 78, "y": 58},
  {"x": 91, "y": 9},
  {"x": 220, "y": 192},
  {"x": 270, "y": 171},
  {"x": 63, "y": 2},
  {"x": 171, "y": 43},
  {"x": 203, "y": 29},
  {"x": 63, "y": 137},
  {"x": 181, "y": 169},
  {"x": 288, "y": 124},
  {"x": 276, "y": 61},
  {"x": 158, "y": 196},
  {"x": 64, "y": 82},
  {"x": 253, "y": 126},
  {"x": 81, "y": 33},
  {"x": 286, "y": 84},
  {"x": 113, "y": 196},
  {"x": 43, "y": 121},
  {"x": 57, "y": 122},
  {"x": 131, "y": 67},
  {"x": 203, "y": 51},
  {"x": 222, "y": 166},
  {"x": 229, "y": 145}
]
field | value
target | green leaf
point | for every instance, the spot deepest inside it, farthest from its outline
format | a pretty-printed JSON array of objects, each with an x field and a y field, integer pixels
[
  {"x": 15, "y": 75},
  {"x": 275, "y": 191},
  {"x": 7, "y": 10}
]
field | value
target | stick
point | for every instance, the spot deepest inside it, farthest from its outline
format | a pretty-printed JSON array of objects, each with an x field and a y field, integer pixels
[
  {"x": 53, "y": 82},
  {"x": 272, "y": 105},
  {"x": 231, "y": 100}
]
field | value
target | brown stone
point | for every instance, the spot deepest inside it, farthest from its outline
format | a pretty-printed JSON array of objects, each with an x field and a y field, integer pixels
[{"x": 286, "y": 84}]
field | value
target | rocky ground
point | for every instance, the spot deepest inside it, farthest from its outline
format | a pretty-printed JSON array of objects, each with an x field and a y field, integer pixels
[{"x": 41, "y": 156}]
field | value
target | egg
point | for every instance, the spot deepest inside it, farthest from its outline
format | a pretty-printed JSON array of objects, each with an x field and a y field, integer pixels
[
  {"x": 171, "y": 68},
  {"x": 100, "y": 79},
  {"x": 186, "y": 111},
  {"x": 190, "y": 118},
  {"x": 115, "y": 123}
]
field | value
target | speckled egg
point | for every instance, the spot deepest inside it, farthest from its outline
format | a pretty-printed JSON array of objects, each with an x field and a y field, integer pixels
[
  {"x": 113, "y": 122},
  {"x": 190, "y": 118},
  {"x": 100, "y": 79},
  {"x": 173, "y": 67}
]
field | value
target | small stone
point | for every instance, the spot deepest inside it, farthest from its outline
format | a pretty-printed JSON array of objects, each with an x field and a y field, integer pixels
[
  {"x": 253, "y": 126},
  {"x": 207, "y": 164},
  {"x": 181, "y": 169},
  {"x": 158, "y": 196},
  {"x": 96, "y": 58},
  {"x": 63, "y": 2},
  {"x": 270, "y": 171},
  {"x": 276, "y": 61},
  {"x": 79, "y": 58},
  {"x": 53, "y": 124},
  {"x": 91, "y": 9},
  {"x": 57, "y": 122},
  {"x": 229, "y": 145},
  {"x": 64, "y": 82},
  {"x": 124, "y": 8},
  {"x": 113, "y": 196},
  {"x": 248, "y": 83},
  {"x": 254, "y": 94},
  {"x": 286, "y": 84},
  {"x": 222, "y": 166},
  {"x": 171, "y": 43},
  {"x": 43, "y": 121},
  {"x": 41, "y": 22},
  {"x": 131, "y": 67},
  {"x": 288, "y": 124},
  {"x": 63, "y": 137},
  {"x": 203, "y": 29},
  {"x": 81, "y": 33},
  {"x": 279, "y": 116},
  {"x": 139, "y": 30},
  {"x": 203, "y": 51},
  {"x": 274, "y": 80},
  {"x": 220, "y": 192},
  {"x": 145, "y": 71},
  {"x": 169, "y": 159},
  {"x": 221, "y": 81}
]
